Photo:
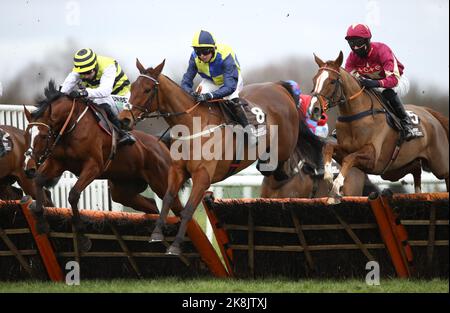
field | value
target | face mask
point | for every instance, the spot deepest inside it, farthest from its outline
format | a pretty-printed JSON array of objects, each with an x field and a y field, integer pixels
[
  {"x": 361, "y": 51},
  {"x": 360, "y": 46}
]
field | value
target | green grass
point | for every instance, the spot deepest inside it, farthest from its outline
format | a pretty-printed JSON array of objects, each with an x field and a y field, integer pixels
[{"x": 167, "y": 285}]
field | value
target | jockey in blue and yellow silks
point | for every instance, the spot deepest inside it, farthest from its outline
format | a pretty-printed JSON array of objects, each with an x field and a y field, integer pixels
[
  {"x": 97, "y": 78},
  {"x": 220, "y": 70}
]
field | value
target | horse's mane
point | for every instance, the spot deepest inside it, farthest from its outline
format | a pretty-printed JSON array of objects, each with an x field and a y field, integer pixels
[
  {"x": 51, "y": 94},
  {"x": 175, "y": 83}
]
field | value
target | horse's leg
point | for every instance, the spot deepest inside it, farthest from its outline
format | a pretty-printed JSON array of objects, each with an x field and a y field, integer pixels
[
  {"x": 28, "y": 187},
  {"x": 328, "y": 150},
  {"x": 128, "y": 196},
  {"x": 44, "y": 174},
  {"x": 363, "y": 157},
  {"x": 354, "y": 182},
  {"x": 175, "y": 181},
  {"x": 89, "y": 172},
  {"x": 417, "y": 175},
  {"x": 200, "y": 183}
]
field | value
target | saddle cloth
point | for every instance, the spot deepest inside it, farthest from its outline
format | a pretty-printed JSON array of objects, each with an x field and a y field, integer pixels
[{"x": 255, "y": 115}]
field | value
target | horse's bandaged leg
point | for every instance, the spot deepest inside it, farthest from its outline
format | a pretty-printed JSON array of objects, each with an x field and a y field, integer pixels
[
  {"x": 328, "y": 175},
  {"x": 337, "y": 184}
]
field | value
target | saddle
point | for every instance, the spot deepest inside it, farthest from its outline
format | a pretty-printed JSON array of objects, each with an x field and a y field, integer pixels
[
  {"x": 391, "y": 118},
  {"x": 101, "y": 118}
]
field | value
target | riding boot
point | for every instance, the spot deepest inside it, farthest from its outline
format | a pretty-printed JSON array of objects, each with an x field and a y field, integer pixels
[
  {"x": 238, "y": 111},
  {"x": 399, "y": 110},
  {"x": 124, "y": 137}
]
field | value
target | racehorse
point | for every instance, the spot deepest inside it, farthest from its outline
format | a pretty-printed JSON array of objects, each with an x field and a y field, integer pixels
[
  {"x": 366, "y": 141},
  {"x": 153, "y": 91},
  {"x": 350, "y": 187},
  {"x": 11, "y": 166},
  {"x": 65, "y": 136},
  {"x": 301, "y": 184}
]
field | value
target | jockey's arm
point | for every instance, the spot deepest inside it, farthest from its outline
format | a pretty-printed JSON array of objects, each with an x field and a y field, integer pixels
[
  {"x": 188, "y": 78},
  {"x": 70, "y": 82},
  {"x": 390, "y": 67},
  {"x": 230, "y": 79},
  {"x": 106, "y": 84}
]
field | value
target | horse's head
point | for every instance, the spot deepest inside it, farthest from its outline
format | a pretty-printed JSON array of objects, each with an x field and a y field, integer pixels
[
  {"x": 316, "y": 109},
  {"x": 328, "y": 83},
  {"x": 44, "y": 127},
  {"x": 144, "y": 95}
]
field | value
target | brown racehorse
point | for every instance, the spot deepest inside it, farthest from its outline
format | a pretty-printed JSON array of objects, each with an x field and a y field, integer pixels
[
  {"x": 366, "y": 141},
  {"x": 302, "y": 185},
  {"x": 65, "y": 136},
  {"x": 153, "y": 91},
  {"x": 11, "y": 167}
]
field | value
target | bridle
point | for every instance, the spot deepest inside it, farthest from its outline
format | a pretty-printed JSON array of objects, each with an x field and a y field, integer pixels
[
  {"x": 146, "y": 111},
  {"x": 328, "y": 102},
  {"x": 53, "y": 135}
]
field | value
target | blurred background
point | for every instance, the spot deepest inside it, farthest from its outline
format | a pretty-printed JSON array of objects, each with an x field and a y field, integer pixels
[{"x": 273, "y": 40}]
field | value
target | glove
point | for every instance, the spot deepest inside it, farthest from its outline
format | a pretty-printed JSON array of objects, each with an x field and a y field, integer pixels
[
  {"x": 79, "y": 93},
  {"x": 203, "y": 97},
  {"x": 369, "y": 83}
]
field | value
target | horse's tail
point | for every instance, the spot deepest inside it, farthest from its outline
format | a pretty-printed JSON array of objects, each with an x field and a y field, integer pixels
[
  {"x": 308, "y": 144},
  {"x": 290, "y": 88},
  {"x": 441, "y": 118}
]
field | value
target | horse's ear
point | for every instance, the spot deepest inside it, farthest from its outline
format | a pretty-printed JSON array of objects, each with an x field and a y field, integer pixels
[
  {"x": 160, "y": 67},
  {"x": 27, "y": 113},
  {"x": 339, "y": 59},
  {"x": 140, "y": 67},
  {"x": 318, "y": 61}
]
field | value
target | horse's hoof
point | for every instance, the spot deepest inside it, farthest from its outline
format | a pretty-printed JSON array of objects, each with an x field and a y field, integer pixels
[
  {"x": 84, "y": 242},
  {"x": 156, "y": 237},
  {"x": 173, "y": 250},
  {"x": 334, "y": 200}
]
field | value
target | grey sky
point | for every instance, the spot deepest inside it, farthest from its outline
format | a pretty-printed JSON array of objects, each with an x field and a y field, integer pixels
[{"x": 260, "y": 31}]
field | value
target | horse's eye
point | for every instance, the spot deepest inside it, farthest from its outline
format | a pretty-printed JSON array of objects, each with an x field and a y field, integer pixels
[
  {"x": 333, "y": 82},
  {"x": 147, "y": 90}
]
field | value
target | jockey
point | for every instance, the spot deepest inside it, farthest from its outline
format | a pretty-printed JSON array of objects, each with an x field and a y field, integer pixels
[
  {"x": 97, "y": 78},
  {"x": 317, "y": 124},
  {"x": 376, "y": 66},
  {"x": 219, "y": 68}
]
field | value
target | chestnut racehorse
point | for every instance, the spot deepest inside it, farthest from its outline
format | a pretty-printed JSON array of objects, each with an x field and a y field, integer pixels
[
  {"x": 153, "y": 91},
  {"x": 366, "y": 141},
  {"x": 65, "y": 136}
]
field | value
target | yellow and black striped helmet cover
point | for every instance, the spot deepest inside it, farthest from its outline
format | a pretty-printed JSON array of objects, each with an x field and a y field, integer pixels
[{"x": 84, "y": 60}]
